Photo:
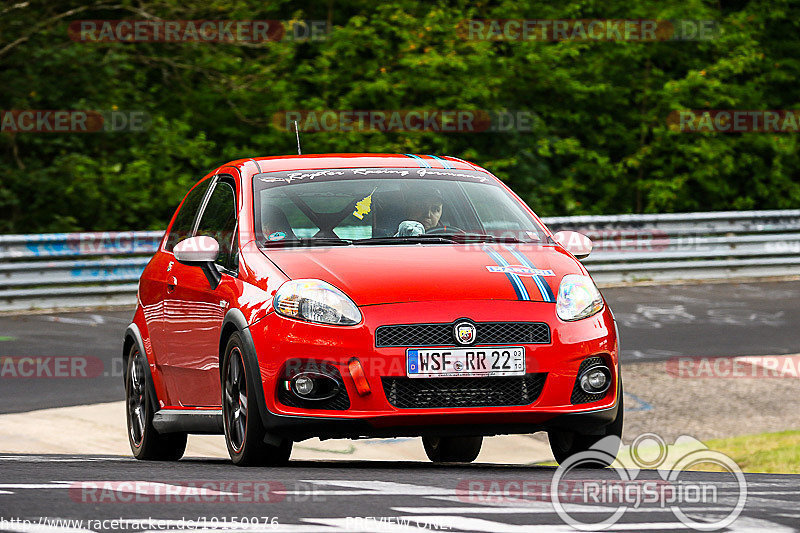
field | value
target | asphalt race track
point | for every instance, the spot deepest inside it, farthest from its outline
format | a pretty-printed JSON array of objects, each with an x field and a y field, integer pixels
[
  {"x": 345, "y": 496},
  {"x": 655, "y": 322},
  {"x": 120, "y": 494},
  {"x": 662, "y": 321}
]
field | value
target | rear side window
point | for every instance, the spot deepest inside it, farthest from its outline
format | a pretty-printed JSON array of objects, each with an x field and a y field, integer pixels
[
  {"x": 219, "y": 221},
  {"x": 184, "y": 220}
]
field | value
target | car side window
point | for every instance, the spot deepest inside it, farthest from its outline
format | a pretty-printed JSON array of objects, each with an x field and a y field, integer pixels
[
  {"x": 219, "y": 221},
  {"x": 184, "y": 220}
]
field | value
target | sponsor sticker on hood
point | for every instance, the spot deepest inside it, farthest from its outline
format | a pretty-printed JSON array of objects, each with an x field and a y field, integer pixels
[{"x": 520, "y": 270}]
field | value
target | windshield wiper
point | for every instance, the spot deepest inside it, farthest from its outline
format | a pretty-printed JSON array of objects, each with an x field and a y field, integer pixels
[
  {"x": 314, "y": 241},
  {"x": 482, "y": 237},
  {"x": 446, "y": 238},
  {"x": 410, "y": 239},
  {"x": 443, "y": 238}
]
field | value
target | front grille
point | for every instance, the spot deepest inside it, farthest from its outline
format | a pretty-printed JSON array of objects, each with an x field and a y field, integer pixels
[
  {"x": 578, "y": 394},
  {"x": 339, "y": 402},
  {"x": 442, "y": 334},
  {"x": 422, "y": 393}
]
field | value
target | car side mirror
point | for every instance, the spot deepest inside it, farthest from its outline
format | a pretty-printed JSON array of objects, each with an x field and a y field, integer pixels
[
  {"x": 575, "y": 243},
  {"x": 200, "y": 251}
]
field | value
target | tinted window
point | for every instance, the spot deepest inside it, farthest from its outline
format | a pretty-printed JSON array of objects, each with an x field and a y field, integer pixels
[
  {"x": 184, "y": 220},
  {"x": 219, "y": 221},
  {"x": 363, "y": 203},
  {"x": 497, "y": 214},
  {"x": 356, "y": 209}
]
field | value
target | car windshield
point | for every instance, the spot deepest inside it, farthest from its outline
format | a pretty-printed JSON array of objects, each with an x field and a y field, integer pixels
[{"x": 387, "y": 206}]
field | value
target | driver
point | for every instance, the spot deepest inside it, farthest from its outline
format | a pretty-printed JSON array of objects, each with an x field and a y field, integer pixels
[{"x": 424, "y": 212}]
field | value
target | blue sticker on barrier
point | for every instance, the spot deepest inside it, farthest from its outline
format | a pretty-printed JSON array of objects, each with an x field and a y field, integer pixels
[{"x": 277, "y": 236}]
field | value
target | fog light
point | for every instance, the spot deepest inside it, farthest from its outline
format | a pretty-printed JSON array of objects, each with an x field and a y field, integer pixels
[
  {"x": 595, "y": 380},
  {"x": 313, "y": 385},
  {"x": 303, "y": 385}
]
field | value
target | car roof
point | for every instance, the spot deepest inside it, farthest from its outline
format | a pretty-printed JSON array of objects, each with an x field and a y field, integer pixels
[{"x": 320, "y": 161}]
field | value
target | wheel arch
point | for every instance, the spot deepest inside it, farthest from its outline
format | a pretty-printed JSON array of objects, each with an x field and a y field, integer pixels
[
  {"x": 134, "y": 337},
  {"x": 235, "y": 322}
]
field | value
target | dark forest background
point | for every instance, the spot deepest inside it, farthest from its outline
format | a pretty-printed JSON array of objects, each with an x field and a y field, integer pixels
[{"x": 600, "y": 142}]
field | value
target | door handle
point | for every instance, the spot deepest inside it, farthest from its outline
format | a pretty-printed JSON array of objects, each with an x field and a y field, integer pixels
[{"x": 173, "y": 281}]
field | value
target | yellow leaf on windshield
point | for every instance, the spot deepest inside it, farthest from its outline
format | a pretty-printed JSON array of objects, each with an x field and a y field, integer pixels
[{"x": 364, "y": 206}]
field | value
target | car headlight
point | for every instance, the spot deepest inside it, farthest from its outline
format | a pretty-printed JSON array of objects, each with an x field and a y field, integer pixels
[
  {"x": 578, "y": 298},
  {"x": 316, "y": 301}
]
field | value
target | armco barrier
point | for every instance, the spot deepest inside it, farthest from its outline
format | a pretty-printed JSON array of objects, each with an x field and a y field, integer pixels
[
  {"x": 65, "y": 270},
  {"x": 689, "y": 246},
  {"x": 62, "y": 270}
]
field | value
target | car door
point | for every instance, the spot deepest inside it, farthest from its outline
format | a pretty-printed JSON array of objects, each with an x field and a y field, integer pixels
[
  {"x": 195, "y": 316},
  {"x": 157, "y": 284}
]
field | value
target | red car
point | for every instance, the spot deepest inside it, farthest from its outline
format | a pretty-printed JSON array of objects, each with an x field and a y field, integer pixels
[{"x": 366, "y": 295}]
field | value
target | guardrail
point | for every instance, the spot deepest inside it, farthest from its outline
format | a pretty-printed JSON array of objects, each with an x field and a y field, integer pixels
[
  {"x": 689, "y": 246},
  {"x": 65, "y": 270}
]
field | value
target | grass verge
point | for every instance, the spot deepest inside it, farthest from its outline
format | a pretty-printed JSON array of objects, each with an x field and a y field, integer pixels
[
  {"x": 768, "y": 453},
  {"x": 773, "y": 453}
]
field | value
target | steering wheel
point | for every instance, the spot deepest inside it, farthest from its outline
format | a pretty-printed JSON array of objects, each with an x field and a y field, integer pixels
[{"x": 444, "y": 230}]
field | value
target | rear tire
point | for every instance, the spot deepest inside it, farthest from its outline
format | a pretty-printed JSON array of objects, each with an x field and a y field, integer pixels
[
  {"x": 452, "y": 449},
  {"x": 244, "y": 431},
  {"x": 565, "y": 444},
  {"x": 147, "y": 444}
]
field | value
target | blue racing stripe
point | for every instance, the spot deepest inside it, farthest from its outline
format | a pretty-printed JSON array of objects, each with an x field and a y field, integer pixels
[
  {"x": 445, "y": 162},
  {"x": 544, "y": 287},
  {"x": 422, "y": 161},
  {"x": 473, "y": 167},
  {"x": 519, "y": 287}
]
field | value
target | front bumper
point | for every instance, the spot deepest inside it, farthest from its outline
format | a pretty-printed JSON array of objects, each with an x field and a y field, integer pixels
[{"x": 276, "y": 339}]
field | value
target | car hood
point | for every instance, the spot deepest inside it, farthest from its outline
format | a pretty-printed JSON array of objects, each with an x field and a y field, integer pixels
[{"x": 411, "y": 273}]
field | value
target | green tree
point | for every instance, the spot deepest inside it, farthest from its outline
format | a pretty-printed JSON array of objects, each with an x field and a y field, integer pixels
[{"x": 600, "y": 142}]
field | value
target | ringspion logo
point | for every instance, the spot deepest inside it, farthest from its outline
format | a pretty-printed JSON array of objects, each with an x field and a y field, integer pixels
[{"x": 683, "y": 495}]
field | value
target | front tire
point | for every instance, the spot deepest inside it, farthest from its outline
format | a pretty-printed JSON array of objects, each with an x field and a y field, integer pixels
[
  {"x": 565, "y": 444},
  {"x": 452, "y": 449},
  {"x": 244, "y": 431},
  {"x": 147, "y": 444}
]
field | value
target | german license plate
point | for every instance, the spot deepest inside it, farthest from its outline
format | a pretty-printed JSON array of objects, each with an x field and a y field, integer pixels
[{"x": 465, "y": 362}]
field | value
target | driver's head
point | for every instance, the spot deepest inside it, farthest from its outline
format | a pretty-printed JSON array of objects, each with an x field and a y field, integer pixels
[{"x": 425, "y": 207}]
